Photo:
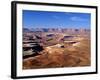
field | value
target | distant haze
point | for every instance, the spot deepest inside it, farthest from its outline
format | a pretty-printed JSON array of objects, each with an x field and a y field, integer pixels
[{"x": 48, "y": 19}]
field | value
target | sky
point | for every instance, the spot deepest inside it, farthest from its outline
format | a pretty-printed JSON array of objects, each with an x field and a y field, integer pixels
[{"x": 48, "y": 19}]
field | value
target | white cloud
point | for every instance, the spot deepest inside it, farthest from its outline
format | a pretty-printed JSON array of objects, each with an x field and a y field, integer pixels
[
  {"x": 56, "y": 17},
  {"x": 75, "y": 18}
]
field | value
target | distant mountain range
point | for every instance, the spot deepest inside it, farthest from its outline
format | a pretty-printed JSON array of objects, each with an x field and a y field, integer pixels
[{"x": 54, "y": 30}]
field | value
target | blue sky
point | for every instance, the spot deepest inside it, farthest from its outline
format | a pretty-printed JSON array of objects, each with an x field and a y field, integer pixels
[{"x": 48, "y": 19}]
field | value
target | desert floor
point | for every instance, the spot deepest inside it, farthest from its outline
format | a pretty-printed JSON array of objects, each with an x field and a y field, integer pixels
[{"x": 74, "y": 55}]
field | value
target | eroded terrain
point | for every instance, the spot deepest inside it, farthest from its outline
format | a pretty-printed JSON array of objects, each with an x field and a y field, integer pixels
[{"x": 56, "y": 49}]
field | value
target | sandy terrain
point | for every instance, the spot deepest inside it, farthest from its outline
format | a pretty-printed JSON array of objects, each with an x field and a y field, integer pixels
[{"x": 77, "y": 54}]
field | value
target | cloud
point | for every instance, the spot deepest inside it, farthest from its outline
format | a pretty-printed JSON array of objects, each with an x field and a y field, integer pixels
[
  {"x": 56, "y": 17},
  {"x": 75, "y": 18}
]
